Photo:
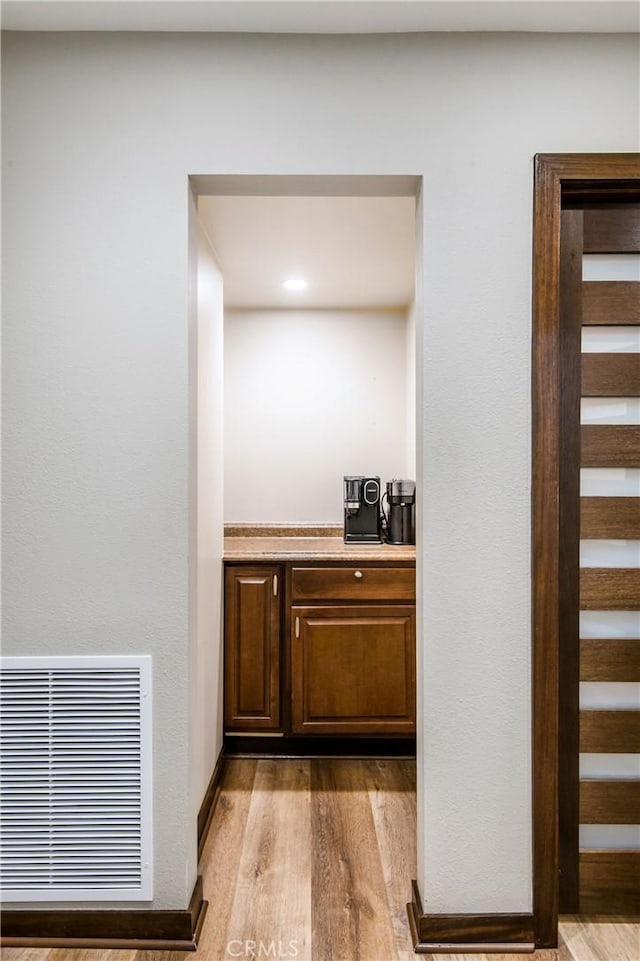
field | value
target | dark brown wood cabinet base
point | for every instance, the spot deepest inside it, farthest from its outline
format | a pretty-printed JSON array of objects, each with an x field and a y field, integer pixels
[{"x": 320, "y": 649}]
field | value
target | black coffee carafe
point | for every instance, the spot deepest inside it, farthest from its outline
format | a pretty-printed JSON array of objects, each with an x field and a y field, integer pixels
[{"x": 401, "y": 523}]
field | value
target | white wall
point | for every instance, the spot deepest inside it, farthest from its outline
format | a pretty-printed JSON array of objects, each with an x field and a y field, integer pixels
[
  {"x": 310, "y": 395},
  {"x": 100, "y": 133},
  {"x": 410, "y": 391},
  {"x": 210, "y": 522}
]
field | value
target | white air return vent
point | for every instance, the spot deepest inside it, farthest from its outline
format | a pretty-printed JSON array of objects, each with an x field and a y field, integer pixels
[{"x": 75, "y": 791}]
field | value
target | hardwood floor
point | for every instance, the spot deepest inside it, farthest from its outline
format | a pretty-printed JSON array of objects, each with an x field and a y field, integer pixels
[{"x": 312, "y": 860}]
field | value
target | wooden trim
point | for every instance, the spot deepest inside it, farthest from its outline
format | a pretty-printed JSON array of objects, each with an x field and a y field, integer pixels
[
  {"x": 609, "y": 588},
  {"x": 162, "y": 930},
  {"x": 610, "y": 445},
  {"x": 467, "y": 932},
  {"x": 610, "y": 732},
  {"x": 610, "y": 375},
  {"x": 610, "y": 302},
  {"x": 612, "y": 230},
  {"x": 545, "y": 598},
  {"x": 570, "y": 303},
  {"x": 615, "y": 659},
  {"x": 610, "y": 877},
  {"x": 209, "y": 801},
  {"x": 114, "y": 944},
  {"x": 556, "y": 175},
  {"x": 610, "y": 517},
  {"x": 609, "y": 802}
]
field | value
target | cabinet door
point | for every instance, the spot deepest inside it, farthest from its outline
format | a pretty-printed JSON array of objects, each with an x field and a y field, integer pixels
[
  {"x": 252, "y": 648},
  {"x": 353, "y": 670}
]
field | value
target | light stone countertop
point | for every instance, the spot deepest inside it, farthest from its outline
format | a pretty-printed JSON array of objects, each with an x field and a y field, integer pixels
[{"x": 298, "y": 548}]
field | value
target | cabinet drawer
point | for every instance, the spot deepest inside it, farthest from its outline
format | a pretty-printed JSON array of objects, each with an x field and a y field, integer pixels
[{"x": 353, "y": 583}]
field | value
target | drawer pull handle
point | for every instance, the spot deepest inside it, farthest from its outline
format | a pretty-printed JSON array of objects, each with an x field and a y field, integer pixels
[
  {"x": 297, "y": 627},
  {"x": 275, "y": 585},
  {"x": 357, "y": 574}
]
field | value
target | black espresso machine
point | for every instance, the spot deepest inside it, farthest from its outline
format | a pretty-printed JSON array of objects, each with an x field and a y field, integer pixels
[{"x": 361, "y": 510}]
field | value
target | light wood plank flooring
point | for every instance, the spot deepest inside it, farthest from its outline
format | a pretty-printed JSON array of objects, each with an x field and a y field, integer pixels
[{"x": 312, "y": 860}]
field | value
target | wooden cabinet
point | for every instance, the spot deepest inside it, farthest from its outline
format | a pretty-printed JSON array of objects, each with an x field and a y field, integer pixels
[
  {"x": 252, "y": 647},
  {"x": 353, "y": 649},
  {"x": 353, "y": 670},
  {"x": 334, "y": 655}
]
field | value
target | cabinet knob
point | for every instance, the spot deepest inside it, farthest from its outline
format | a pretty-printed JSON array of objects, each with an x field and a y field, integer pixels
[
  {"x": 358, "y": 574},
  {"x": 275, "y": 585}
]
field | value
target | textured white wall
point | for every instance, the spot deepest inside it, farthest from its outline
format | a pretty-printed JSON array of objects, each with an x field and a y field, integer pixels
[
  {"x": 410, "y": 390},
  {"x": 100, "y": 133},
  {"x": 310, "y": 395},
  {"x": 210, "y": 519}
]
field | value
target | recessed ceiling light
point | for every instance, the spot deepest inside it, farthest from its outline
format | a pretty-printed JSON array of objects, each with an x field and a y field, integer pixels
[{"x": 295, "y": 283}]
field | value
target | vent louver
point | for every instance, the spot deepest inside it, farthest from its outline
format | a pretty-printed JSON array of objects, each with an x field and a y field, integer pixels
[{"x": 75, "y": 789}]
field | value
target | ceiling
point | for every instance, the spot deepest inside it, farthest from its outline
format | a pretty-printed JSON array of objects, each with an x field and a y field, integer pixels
[
  {"x": 324, "y": 16},
  {"x": 354, "y": 251}
]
